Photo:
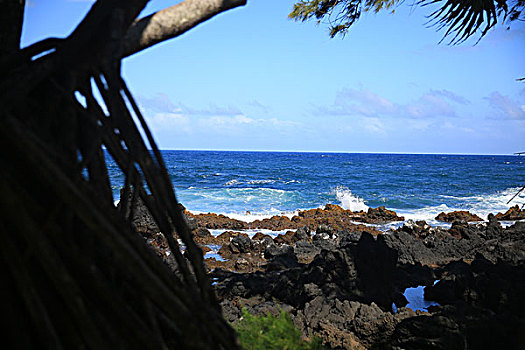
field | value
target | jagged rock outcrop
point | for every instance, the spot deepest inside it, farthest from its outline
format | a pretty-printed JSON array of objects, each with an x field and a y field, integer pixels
[
  {"x": 459, "y": 215},
  {"x": 342, "y": 288},
  {"x": 332, "y": 218},
  {"x": 354, "y": 279},
  {"x": 514, "y": 213},
  {"x": 461, "y": 241}
]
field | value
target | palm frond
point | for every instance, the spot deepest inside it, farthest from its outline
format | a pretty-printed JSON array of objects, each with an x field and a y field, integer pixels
[{"x": 463, "y": 18}]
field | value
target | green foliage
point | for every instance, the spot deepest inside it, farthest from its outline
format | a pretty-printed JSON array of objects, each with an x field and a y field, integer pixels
[
  {"x": 272, "y": 333},
  {"x": 340, "y": 15},
  {"x": 459, "y": 18}
]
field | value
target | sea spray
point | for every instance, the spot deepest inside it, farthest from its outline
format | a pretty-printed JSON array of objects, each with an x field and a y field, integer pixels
[
  {"x": 481, "y": 205},
  {"x": 348, "y": 200}
]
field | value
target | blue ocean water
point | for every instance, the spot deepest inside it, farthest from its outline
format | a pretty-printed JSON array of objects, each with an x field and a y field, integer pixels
[{"x": 267, "y": 183}]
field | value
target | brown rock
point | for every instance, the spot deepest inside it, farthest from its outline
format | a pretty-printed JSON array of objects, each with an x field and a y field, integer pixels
[
  {"x": 214, "y": 221},
  {"x": 275, "y": 223},
  {"x": 225, "y": 252},
  {"x": 332, "y": 216},
  {"x": 514, "y": 213},
  {"x": 225, "y": 237},
  {"x": 339, "y": 219},
  {"x": 202, "y": 236},
  {"x": 460, "y": 215},
  {"x": 260, "y": 236},
  {"x": 381, "y": 215},
  {"x": 287, "y": 238}
]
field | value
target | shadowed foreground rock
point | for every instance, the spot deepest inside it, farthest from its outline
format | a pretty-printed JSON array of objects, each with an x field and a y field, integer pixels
[
  {"x": 345, "y": 294},
  {"x": 340, "y": 284}
]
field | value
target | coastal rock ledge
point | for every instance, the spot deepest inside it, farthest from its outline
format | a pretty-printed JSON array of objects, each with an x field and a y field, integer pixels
[
  {"x": 344, "y": 281},
  {"x": 345, "y": 293},
  {"x": 332, "y": 215}
]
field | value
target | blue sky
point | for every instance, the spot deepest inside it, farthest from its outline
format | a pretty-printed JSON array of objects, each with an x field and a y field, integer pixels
[{"x": 251, "y": 79}]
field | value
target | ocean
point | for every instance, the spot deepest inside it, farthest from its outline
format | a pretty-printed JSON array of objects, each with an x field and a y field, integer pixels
[{"x": 251, "y": 185}]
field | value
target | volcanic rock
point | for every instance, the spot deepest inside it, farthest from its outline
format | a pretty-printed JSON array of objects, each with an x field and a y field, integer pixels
[
  {"x": 303, "y": 233},
  {"x": 214, "y": 221},
  {"x": 514, "y": 213},
  {"x": 427, "y": 332},
  {"x": 275, "y": 223},
  {"x": 142, "y": 220},
  {"x": 227, "y": 236},
  {"x": 280, "y": 258},
  {"x": 202, "y": 236},
  {"x": 260, "y": 236},
  {"x": 241, "y": 244},
  {"x": 381, "y": 215},
  {"x": 460, "y": 215},
  {"x": 342, "y": 289}
]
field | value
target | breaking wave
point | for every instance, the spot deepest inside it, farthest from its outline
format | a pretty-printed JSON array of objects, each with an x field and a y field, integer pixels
[{"x": 348, "y": 200}]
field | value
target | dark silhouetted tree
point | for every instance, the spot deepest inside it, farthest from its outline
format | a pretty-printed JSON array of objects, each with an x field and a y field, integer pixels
[{"x": 75, "y": 273}]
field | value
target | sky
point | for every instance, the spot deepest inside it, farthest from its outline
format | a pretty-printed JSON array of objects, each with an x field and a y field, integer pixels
[{"x": 252, "y": 79}]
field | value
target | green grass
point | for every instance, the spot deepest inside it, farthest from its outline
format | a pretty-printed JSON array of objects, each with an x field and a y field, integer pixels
[{"x": 272, "y": 332}]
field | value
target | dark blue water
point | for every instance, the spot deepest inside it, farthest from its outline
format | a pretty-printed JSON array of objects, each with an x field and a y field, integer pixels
[{"x": 264, "y": 183}]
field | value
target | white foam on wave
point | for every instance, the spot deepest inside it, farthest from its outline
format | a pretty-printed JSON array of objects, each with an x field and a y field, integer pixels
[
  {"x": 249, "y": 216},
  {"x": 259, "y": 182},
  {"x": 235, "y": 182},
  {"x": 251, "y": 232},
  {"x": 250, "y": 204},
  {"x": 237, "y": 203},
  {"x": 232, "y": 182},
  {"x": 479, "y": 205},
  {"x": 428, "y": 213},
  {"x": 348, "y": 200}
]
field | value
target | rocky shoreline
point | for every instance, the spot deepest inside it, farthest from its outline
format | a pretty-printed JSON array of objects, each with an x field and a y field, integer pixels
[{"x": 341, "y": 278}]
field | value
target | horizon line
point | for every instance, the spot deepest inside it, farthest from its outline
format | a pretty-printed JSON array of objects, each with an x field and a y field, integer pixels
[{"x": 340, "y": 152}]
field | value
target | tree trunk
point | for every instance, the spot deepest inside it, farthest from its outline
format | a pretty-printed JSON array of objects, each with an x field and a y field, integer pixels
[
  {"x": 76, "y": 274},
  {"x": 172, "y": 22},
  {"x": 11, "y": 19}
]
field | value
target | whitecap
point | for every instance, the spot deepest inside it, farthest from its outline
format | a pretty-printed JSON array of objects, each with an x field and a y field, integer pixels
[
  {"x": 348, "y": 200},
  {"x": 260, "y": 182},
  {"x": 481, "y": 205},
  {"x": 252, "y": 232},
  {"x": 233, "y": 182}
]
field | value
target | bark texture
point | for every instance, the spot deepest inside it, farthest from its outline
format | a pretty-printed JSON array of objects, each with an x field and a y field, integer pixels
[{"x": 172, "y": 22}]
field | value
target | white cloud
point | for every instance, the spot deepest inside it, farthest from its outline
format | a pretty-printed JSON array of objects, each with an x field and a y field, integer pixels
[
  {"x": 212, "y": 109},
  {"x": 169, "y": 122},
  {"x": 244, "y": 124},
  {"x": 162, "y": 103},
  {"x": 363, "y": 102},
  {"x": 506, "y": 107},
  {"x": 374, "y": 126}
]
